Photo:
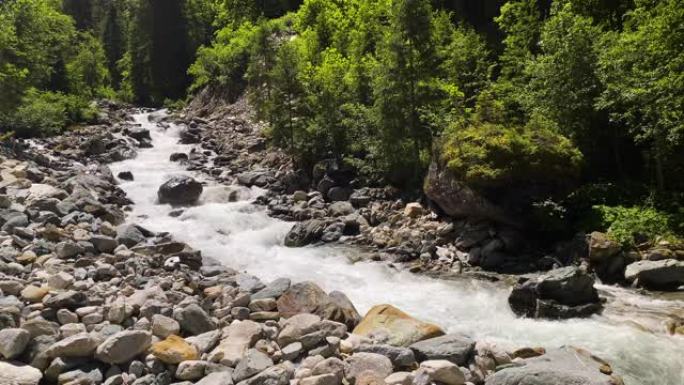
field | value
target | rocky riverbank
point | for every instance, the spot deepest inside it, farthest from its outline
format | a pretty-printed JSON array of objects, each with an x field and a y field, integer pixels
[
  {"x": 332, "y": 206},
  {"x": 88, "y": 298}
]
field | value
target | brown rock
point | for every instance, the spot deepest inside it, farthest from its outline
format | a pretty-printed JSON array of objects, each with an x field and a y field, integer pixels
[
  {"x": 390, "y": 325},
  {"x": 174, "y": 350},
  {"x": 601, "y": 247},
  {"x": 307, "y": 297}
]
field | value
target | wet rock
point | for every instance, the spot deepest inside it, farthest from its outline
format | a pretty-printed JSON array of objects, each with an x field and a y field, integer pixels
[
  {"x": 123, "y": 346},
  {"x": 561, "y": 293},
  {"x": 180, "y": 190},
  {"x": 667, "y": 274},
  {"x": 451, "y": 347},
  {"x": 305, "y": 233},
  {"x": 387, "y": 324},
  {"x": 565, "y": 366},
  {"x": 125, "y": 175},
  {"x": 178, "y": 157},
  {"x": 12, "y": 374},
  {"x": 190, "y": 135},
  {"x": 138, "y": 133},
  {"x": 13, "y": 342},
  {"x": 174, "y": 350}
]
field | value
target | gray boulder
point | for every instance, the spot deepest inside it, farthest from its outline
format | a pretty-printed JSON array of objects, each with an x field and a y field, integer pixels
[
  {"x": 194, "y": 319},
  {"x": 456, "y": 199},
  {"x": 13, "y": 342},
  {"x": 452, "y": 347},
  {"x": 273, "y": 290},
  {"x": 666, "y": 274},
  {"x": 305, "y": 233},
  {"x": 129, "y": 235},
  {"x": 180, "y": 190},
  {"x": 401, "y": 357},
  {"x": 565, "y": 366},
  {"x": 123, "y": 346},
  {"x": 251, "y": 364},
  {"x": 307, "y": 297},
  {"x": 561, "y": 293},
  {"x": 19, "y": 375}
]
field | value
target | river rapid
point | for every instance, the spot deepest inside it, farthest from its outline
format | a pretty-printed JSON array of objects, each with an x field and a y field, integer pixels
[{"x": 241, "y": 235}]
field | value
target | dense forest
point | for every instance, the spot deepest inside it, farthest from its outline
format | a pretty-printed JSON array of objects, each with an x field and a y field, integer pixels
[{"x": 573, "y": 107}]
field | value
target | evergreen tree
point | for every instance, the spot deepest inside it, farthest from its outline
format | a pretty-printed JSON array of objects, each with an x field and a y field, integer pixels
[{"x": 405, "y": 68}]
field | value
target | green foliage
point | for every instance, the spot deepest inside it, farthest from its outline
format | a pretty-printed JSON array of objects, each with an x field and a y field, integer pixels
[
  {"x": 521, "y": 22},
  {"x": 642, "y": 69},
  {"x": 34, "y": 37},
  {"x": 44, "y": 113},
  {"x": 636, "y": 224},
  {"x": 87, "y": 71},
  {"x": 225, "y": 62},
  {"x": 492, "y": 156},
  {"x": 563, "y": 81}
]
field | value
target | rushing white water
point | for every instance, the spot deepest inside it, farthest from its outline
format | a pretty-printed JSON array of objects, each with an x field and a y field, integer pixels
[{"x": 242, "y": 236}]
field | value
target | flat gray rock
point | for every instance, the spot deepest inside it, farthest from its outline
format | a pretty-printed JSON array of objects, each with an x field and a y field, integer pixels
[
  {"x": 452, "y": 347},
  {"x": 123, "y": 346},
  {"x": 565, "y": 366}
]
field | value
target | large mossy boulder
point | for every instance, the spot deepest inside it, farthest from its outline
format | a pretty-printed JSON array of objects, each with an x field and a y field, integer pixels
[
  {"x": 387, "y": 324},
  {"x": 497, "y": 172}
]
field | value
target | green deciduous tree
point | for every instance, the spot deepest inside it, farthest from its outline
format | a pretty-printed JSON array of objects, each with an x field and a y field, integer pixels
[{"x": 642, "y": 69}]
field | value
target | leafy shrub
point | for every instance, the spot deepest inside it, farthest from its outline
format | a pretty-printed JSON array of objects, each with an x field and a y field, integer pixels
[
  {"x": 632, "y": 225},
  {"x": 225, "y": 62},
  {"x": 44, "y": 113},
  {"x": 490, "y": 156}
]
